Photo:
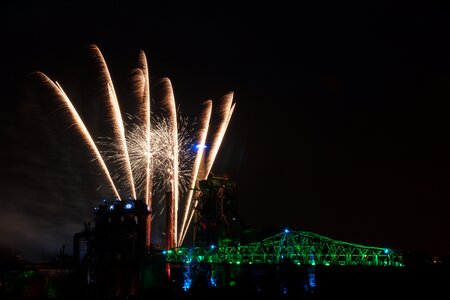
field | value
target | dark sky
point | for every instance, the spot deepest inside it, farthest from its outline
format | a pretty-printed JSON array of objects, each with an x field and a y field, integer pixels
[{"x": 341, "y": 125}]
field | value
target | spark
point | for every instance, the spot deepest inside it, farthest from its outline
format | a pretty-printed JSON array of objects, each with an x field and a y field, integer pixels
[
  {"x": 163, "y": 162},
  {"x": 142, "y": 89},
  {"x": 169, "y": 104},
  {"x": 81, "y": 127},
  {"x": 155, "y": 153},
  {"x": 225, "y": 115},
  {"x": 114, "y": 109},
  {"x": 225, "y": 111},
  {"x": 202, "y": 132},
  {"x": 144, "y": 108},
  {"x": 189, "y": 221},
  {"x": 158, "y": 152}
]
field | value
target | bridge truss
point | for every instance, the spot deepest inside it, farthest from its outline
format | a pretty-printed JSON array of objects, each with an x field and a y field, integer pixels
[{"x": 298, "y": 247}]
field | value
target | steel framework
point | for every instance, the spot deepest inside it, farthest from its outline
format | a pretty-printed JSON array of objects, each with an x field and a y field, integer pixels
[{"x": 298, "y": 247}]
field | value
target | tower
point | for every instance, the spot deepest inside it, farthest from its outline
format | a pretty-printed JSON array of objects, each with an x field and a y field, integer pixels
[{"x": 216, "y": 220}]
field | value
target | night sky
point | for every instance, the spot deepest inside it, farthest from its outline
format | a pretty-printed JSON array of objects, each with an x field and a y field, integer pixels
[{"x": 341, "y": 124}]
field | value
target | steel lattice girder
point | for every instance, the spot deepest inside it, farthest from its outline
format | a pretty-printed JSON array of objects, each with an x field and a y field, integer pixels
[{"x": 299, "y": 247}]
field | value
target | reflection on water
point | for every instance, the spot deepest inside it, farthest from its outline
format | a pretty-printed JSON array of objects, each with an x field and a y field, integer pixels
[{"x": 224, "y": 281}]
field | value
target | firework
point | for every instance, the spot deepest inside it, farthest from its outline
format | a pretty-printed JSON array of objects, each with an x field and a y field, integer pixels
[
  {"x": 116, "y": 117},
  {"x": 172, "y": 153},
  {"x": 57, "y": 89},
  {"x": 202, "y": 132},
  {"x": 225, "y": 112},
  {"x": 158, "y": 152},
  {"x": 155, "y": 156}
]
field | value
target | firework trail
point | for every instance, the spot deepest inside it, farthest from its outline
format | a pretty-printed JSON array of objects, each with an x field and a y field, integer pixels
[
  {"x": 225, "y": 115},
  {"x": 155, "y": 154},
  {"x": 225, "y": 111},
  {"x": 202, "y": 132},
  {"x": 139, "y": 153},
  {"x": 168, "y": 103},
  {"x": 81, "y": 127},
  {"x": 114, "y": 109},
  {"x": 189, "y": 220},
  {"x": 144, "y": 109}
]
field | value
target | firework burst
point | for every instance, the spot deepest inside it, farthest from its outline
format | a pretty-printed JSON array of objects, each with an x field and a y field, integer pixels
[{"x": 156, "y": 154}]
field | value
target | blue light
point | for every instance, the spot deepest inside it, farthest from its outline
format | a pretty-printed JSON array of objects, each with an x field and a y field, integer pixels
[
  {"x": 212, "y": 282},
  {"x": 286, "y": 230},
  {"x": 111, "y": 207},
  {"x": 312, "y": 279},
  {"x": 129, "y": 206},
  {"x": 198, "y": 146},
  {"x": 164, "y": 252},
  {"x": 187, "y": 281},
  {"x": 386, "y": 251},
  {"x": 212, "y": 246}
]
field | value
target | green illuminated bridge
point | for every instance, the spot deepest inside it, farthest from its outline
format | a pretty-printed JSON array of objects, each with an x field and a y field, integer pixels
[{"x": 299, "y": 247}]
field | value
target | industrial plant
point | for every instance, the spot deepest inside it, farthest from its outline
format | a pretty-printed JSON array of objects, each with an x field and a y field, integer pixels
[{"x": 111, "y": 258}]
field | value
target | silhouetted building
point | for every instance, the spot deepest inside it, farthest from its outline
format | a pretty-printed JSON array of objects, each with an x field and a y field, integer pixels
[{"x": 109, "y": 256}]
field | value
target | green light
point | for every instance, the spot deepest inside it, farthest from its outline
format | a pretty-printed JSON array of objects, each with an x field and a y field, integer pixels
[
  {"x": 28, "y": 274},
  {"x": 51, "y": 292},
  {"x": 238, "y": 262},
  {"x": 292, "y": 245}
]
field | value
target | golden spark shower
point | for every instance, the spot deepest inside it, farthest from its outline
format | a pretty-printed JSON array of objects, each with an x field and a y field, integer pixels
[{"x": 157, "y": 157}]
